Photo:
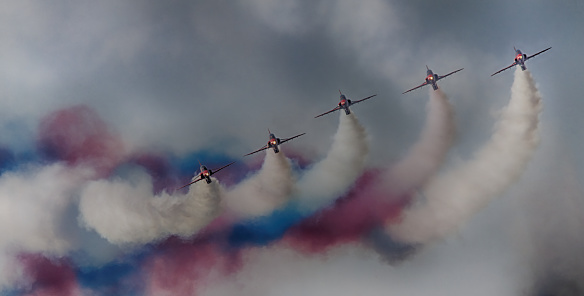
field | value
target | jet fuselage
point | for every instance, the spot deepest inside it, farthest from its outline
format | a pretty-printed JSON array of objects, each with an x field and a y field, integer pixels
[
  {"x": 273, "y": 143},
  {"x": 431, "y": 78},
  {"x": 206, "y": 174},
  {"x": 345, "y": 103},
  {"x": 520, "y": 59}
]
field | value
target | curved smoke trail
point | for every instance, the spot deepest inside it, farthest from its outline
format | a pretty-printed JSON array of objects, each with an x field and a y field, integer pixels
[
  {"x": 267, "y": 190},
  {"x": 337, "y": 172},
  {"x": 428, "y": 153},
  {"x": 128, "y": 215},
  {"x": 377, "y": 196},
  {"x": 320, "y": 185},
  {"x": 455, "y": 196}
]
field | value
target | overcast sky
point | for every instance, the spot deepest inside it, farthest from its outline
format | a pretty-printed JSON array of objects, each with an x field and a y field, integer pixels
[{"x": 181, "y": 76}]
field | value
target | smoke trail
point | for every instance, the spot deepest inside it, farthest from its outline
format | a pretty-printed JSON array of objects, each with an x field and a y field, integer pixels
[
  {"x": 378, "y": 196},
  {"x": 334, "y": 175},
  {"x": 267, "y": 190},
  {"x": 455, "y": 196},
  {"x": 426, "y": 156},
  {"x": 34, "y": 206},
  {"x": 320, "y": 185},
  {"x": 127, "y": 214}
]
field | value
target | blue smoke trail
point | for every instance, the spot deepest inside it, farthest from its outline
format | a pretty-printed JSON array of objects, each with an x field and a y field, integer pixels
[{"x": 261, "y": 231}]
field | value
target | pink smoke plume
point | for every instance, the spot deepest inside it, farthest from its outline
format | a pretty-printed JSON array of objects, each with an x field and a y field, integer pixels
[
  {"x": 51, "y": 277},
  {"x": 350, "y": 218},
  {"x": 182, "y": 268},
  {"x": 78, "y": 136}
]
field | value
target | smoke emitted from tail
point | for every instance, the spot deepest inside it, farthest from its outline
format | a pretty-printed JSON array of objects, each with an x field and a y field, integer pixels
[
  {"x": 324, "y": 182},
  {"x": 455, "y": 196},
  {"x": 380, "y": 195},
  {"x": 337, "y": 172},
  {"x": 428, "y": 153},
  {"x": 127, "y": 214},
  {"x": 265, "y": 191}
]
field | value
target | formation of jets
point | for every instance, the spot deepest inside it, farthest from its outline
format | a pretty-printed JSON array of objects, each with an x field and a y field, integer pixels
[{"x": 344, "y": 103}]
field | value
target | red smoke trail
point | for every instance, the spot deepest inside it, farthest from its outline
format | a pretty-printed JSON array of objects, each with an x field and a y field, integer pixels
[
  {"x": 50, "y": 277},
  {"x": 77, "y": 135},
  {"x": 365, "y": 207},
  {"x": 181, "y": 268}
]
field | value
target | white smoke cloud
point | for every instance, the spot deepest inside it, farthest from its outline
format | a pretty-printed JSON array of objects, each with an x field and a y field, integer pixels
[
  {"x": 127, "y": 214},
  {"x": 428, "y": 153},
  {"x": 336, "y": 173},
  {"x": 352, "y": 270},
  {"x": 265, "y": 191},
  {"x": 454, "y": 197},
  {"x": 11, "y": 272},
  {"x": 34, "y": 215},
  {"x": 33, "y": 206}
]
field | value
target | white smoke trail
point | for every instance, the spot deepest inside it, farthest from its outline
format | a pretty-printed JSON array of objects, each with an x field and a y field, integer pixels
[
  {"x": 267, "y": 190},
  {"x": 428, "y": 153},
  {"x": 457, "y": 195},
  {"x": 334, "y": 175},
  {"x": 33, "y": 205},
  {"x": 125, "y": 214},
  {"x": 34, "y": 213}
]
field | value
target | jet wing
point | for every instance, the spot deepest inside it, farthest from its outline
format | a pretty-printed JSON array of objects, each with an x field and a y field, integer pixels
[
  {"x": 288, "y": 139},
  {"x": 325, "y": 113},
  {"x": 192, "y": 182},
  {"x": 514, "y": 63},
  {"x": 440, "y": 77},
  {"x": 529, "y": 57},
  {"x": 407, "y": 91},
  {"x": 263, "y": 148},
  {"x": 215, "y": 171},
  {"x": 361, "y": 100}
]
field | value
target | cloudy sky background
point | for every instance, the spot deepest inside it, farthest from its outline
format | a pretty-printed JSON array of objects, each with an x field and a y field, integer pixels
[{"x": 191, "y": 75}]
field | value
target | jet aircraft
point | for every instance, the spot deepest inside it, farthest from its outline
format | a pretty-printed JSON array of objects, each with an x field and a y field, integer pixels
[
  {"x": 520, "y": 59},
  {"x": 344, "y": 104},
  {"x": 205, "y": 174},
  {"x": 274, "y": 143},
  {"x": 432, "y": 79}
]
